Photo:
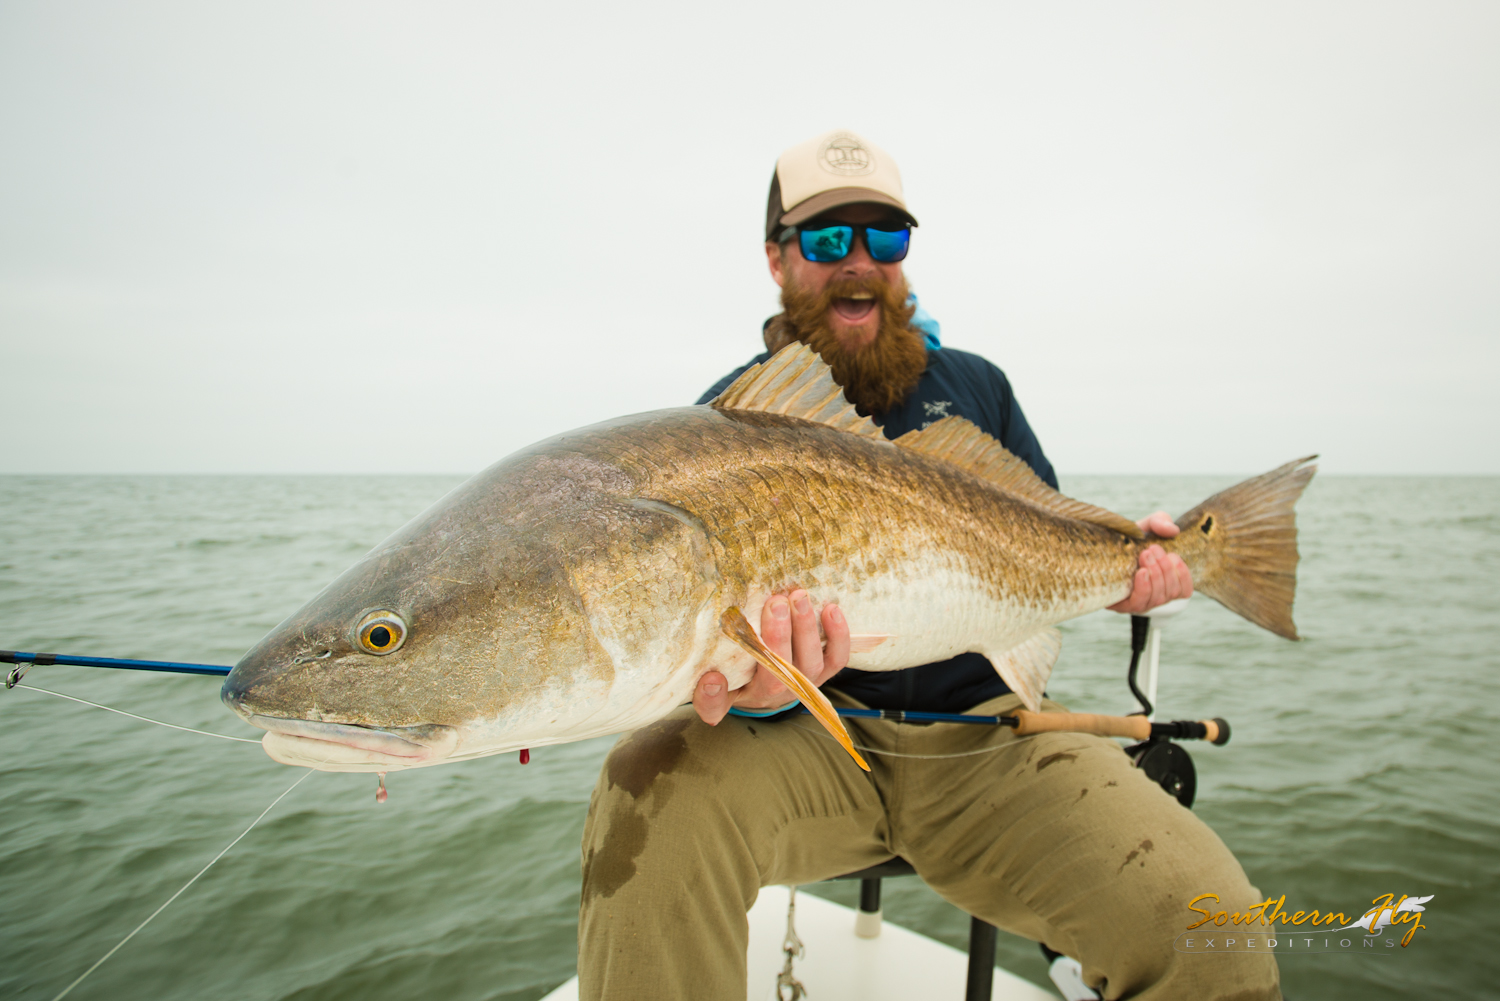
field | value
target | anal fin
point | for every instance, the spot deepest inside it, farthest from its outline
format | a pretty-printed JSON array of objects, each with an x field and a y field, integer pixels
[
  {"x": 738, "y": 629},
  {"x": 1026, "y": 666}
]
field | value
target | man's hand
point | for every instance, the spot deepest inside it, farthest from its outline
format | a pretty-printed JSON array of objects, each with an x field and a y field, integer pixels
[
  {"x": 788, "y": 626},
  {"x": 1162, "y": 576}
]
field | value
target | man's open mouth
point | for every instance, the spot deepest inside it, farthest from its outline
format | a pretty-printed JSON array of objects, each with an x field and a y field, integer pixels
[
  {"x": 856, "y": 308},
  {"x": 349, "y": 747}
]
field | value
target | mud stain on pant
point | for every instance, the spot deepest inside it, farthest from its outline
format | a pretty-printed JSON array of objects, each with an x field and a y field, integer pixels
[
  {"x": 639, "y": 759},
  {"x": 636, "y": 766},
  {"x": 1052, "y": 759},
  {"x": 1144, "y": 846},
  {"x": 607, "y": 868}
]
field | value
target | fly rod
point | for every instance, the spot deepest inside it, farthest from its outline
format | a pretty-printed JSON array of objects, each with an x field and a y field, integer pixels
[
  {"x": 1024, "y": 722},
  {"x": 1215, "y": 731},
  {"x": 73, "y": 660}
]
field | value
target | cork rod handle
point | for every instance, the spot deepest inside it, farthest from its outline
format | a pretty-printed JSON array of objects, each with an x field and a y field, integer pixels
[{"x": 1134, "y": 727}]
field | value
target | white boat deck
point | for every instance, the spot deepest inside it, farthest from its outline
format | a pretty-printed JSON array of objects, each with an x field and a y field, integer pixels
[{"x": 899, "y": 965}]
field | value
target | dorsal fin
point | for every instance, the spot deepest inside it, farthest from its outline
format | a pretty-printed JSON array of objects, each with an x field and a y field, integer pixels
[
  {"x": 796, "y": 382},
  {"x": 955, "y": 439}
]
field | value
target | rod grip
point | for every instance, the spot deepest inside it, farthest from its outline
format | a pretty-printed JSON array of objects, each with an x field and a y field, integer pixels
[{"x": 1134, "y": 727}]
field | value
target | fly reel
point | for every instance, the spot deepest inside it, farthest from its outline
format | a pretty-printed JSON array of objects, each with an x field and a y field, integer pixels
[{"x": 1167, "y": 764}]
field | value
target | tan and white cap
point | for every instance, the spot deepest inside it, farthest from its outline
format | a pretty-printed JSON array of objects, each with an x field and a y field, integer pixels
[{"x": 837, "y": 168}]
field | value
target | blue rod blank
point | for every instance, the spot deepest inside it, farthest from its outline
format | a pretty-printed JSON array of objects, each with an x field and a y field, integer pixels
[{"x": 44, "y": 659}]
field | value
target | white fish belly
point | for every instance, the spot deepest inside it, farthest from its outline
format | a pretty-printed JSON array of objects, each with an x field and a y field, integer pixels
[
  {"x": 933, "y": 612},
  {"x": 927, "y": 611}
]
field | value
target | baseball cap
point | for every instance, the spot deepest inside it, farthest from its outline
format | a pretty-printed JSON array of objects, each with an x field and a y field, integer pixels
[{"x": 837, "y": 168}]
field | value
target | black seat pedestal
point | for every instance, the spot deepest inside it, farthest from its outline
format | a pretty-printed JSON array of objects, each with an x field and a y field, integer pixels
[{"x": 980, "y": 983}]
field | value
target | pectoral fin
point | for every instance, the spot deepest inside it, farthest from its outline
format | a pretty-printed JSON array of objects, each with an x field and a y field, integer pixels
[
  {"x": 1026, "y": 666},
  {"x": 738, "y": 629},
  {"x": 866, "y": 642}
]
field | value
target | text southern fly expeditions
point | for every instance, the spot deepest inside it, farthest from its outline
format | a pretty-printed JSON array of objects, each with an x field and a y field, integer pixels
[{"x": 1268, "y": 927}]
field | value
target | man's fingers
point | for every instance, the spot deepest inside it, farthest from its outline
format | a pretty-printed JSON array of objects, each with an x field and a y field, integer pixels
[
  {"x": 776, "y": 625},
  {"x": 1171, "y": 580},
  {"x": 1158, "y": 592},
  {"x": 1179, "y": 578},
  {"x": 789, "y": 626},
  {"x": 1160, "y": 578},
  {"x": 711, "y": 698},
  {"x": 836, "y": 651},
  {"x": 1146, "y": 580},
  {"x": 765, "y": 690},
  {"x": 1159, "y": 524},
  {"x": 1140, "y": 592},
  {"x": 1139, "y": 585},
  {"x": 807, "y": 644},
  {"x": 1186, "y": 575}
]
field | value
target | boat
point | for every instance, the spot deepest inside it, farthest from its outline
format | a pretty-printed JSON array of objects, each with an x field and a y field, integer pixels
[{"x": 846, "y": 957}]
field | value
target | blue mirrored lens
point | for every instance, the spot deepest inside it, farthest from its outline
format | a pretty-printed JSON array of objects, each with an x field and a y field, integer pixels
[
  {"x": 831, "y": 243},
  {"x": 887, "y": 246}
]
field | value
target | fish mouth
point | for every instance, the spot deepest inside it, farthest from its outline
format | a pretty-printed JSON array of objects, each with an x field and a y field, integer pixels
[{"x": 350, "y": 747}]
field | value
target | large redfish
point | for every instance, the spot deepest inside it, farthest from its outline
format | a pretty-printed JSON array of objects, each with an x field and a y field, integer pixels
[{"x": 583, "y": 585}]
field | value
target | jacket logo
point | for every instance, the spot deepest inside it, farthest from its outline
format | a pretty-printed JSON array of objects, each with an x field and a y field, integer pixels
[{"x": 937, "y": 410}]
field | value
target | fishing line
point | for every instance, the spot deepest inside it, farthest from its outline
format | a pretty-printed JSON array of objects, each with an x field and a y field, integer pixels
[
  {"x": 100, "y": 962},
  {"x": 147, "y": 719}
]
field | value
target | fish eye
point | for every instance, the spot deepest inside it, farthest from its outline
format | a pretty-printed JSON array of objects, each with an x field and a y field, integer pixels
[{"x": 381, "y": 632}]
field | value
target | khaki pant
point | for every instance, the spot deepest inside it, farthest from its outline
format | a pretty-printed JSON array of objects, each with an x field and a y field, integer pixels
[{"x": 1057, "y": 838}]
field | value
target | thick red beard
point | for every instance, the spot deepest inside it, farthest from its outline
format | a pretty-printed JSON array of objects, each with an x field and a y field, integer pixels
[{"x": 878, "y": 376}]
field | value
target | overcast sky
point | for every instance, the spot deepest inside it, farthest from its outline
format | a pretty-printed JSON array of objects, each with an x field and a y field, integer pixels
[{"x": 314, "y": 237}]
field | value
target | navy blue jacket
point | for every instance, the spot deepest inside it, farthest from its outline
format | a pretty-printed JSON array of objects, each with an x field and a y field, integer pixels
[{"x": 964, "y": 384}]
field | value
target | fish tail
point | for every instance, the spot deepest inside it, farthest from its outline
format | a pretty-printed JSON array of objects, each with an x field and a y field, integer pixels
[{"x": 1241, "y": 546}]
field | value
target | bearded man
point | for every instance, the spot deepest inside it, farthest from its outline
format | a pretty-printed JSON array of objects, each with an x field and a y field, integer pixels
[{"x": 1057, "y": 837}]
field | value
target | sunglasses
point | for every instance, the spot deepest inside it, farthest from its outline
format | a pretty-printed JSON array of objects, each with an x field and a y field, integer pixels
[{"x": 833, "y": 243}]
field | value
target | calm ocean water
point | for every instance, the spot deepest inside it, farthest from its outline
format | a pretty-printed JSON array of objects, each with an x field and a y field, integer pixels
[{"x": 1362, "y": 763}]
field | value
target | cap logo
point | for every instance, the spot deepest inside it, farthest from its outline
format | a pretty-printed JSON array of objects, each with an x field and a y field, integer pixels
[{"x": 842, "y": 154}]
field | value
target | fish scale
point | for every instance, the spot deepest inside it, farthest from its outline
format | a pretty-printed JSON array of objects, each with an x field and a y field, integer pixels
[{"x": 910, "y": 516}]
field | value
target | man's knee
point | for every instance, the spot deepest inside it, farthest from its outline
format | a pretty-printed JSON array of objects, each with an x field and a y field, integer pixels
[
  {"x": 664, "y": 793},
  {"x": 1136, "y": 944},
  {"x": 660, "y": 861},
  {"x": 1100, "y": 863},
  {"x": 746, "y": 801}
]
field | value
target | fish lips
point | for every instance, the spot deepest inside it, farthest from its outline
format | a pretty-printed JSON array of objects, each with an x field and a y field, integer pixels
[{"x": 350, "y": 747}]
